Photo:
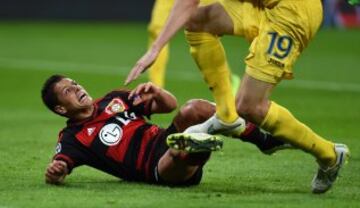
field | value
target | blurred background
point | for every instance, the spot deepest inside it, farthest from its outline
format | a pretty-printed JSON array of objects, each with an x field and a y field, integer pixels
[
  {"x": 96, "y": 42},
  {"x": 135, "y": 10},
  {"x": 337, "y": 12}
]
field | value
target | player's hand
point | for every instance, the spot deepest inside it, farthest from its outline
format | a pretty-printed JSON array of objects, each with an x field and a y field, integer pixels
[
  {"x": 143, "y": 93},
  {"x": 56, "y": 172},
  {"x": 142, "y": 65}
]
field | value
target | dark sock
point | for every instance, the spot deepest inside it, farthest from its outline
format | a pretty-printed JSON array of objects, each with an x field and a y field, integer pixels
[{"x": 264, "y": 141}]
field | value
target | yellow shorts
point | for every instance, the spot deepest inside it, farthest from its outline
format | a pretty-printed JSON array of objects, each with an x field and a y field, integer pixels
[
  {"x": 278, "y": 35},
  {"x": 206, "y": 2}
]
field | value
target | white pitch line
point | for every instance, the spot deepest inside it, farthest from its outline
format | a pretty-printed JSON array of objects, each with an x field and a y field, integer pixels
[{"x": 60, "y": 66}]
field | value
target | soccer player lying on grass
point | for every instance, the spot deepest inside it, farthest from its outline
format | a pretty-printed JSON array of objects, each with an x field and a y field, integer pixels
[{"x": 112, "y": 135}]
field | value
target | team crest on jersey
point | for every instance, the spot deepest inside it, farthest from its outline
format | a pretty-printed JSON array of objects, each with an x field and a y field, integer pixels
[
  {"x": 115, "y": 106},
  {"x": 111, "y": 134}
]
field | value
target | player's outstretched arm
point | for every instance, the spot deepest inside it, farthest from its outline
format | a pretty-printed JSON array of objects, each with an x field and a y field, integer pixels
[
  {"x": 56, "y": 172},
  {"x": 161, "y": 100},
  {"x": 180, "y": 14}
]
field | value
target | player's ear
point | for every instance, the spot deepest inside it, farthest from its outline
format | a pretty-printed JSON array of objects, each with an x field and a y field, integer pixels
[{"x": 60, "y": 109}]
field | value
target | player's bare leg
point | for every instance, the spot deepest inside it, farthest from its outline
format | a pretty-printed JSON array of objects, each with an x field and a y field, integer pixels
[
  {"x": 253, "y": 104},
  {"x": 177, "y": 166}
]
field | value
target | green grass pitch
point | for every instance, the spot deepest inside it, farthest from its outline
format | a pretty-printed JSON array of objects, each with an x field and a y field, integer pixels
[{"x": 325, "y": 94}]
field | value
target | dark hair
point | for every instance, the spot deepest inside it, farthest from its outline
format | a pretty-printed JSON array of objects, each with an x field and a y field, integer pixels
[{"x": 48, "y": 95}]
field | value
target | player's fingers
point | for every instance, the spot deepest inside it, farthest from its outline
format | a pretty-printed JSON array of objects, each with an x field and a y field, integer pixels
[
  {"x": 49, "y": 175},
  {"x": 50, "y": 167},
  {"x": 143, "y": 98},
  {"x": 128, "y": 78},
  {"x": 134, "y": 73},
  {"x": 50, "y": 170},
  {"x": 57, "y": 169},
  {"x": 137, "y": 100},
  {"x": 131, "y": 94},
  {"x": 147, "y": 87},
  {"x": 51, "y": 178},
  {"x": 60, "y": 168},
  {"x": 140, "y": 68},
  {"x": 140, "y": 89},
  {"x": 61, "y": 163},
  {"x": 131, "y": 75},
  {"x": 135, "y": 91}
]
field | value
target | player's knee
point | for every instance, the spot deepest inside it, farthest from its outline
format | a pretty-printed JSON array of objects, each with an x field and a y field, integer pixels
[
  {"x": 193, "y": 112},
  {"x": 211, "y": 19},
  {"x": 193, "y": 26},
  {"x": 244, "y": 111},
  {"x": 199, "y": 20},
  {"x": 196, "y": 111}
]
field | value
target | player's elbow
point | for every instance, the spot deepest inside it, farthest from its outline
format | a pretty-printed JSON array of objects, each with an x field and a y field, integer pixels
[
  {"x": 169, "y": 105},
  {"x": 172, "y": 105}
]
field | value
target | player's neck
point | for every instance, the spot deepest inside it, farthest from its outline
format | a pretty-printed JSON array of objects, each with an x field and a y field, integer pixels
[{"x": 84, "y": 114}]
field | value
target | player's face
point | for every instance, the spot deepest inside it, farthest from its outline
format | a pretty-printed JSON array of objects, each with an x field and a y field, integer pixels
[{"x": 72, "y": 96}]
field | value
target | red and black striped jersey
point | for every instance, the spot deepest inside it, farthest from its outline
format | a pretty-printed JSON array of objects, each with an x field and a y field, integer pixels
[{"x": 117, "y": 139}]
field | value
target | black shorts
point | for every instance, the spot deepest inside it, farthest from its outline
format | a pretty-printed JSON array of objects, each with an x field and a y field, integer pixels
[{"x": 160, "y": 147}]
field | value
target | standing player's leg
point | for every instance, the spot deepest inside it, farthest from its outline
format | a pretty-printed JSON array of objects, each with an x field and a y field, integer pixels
[
  {"x": 160, "y": 13},
  {"x": 281, "y": 39},
  {"x": 205, "y": 47},
  {"x": 234, "y": 78},
  {"x": 239, "y": 18}
]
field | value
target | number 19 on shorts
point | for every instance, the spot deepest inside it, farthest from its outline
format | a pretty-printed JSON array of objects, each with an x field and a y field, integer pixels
[{"x": 280, "y": 46}]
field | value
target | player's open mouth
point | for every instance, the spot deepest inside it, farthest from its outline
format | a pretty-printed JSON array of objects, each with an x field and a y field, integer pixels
[{"x": 82, "y": 97}]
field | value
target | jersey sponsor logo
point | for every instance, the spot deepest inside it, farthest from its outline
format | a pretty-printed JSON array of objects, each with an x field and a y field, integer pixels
[
  {"x": 90, "y": 131},
  {"x": 115, "y": 106},
  {"x": 276, "y": 62},
  {"x": 58, "y": 148},
  {"x": 111, "y": 134}
]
